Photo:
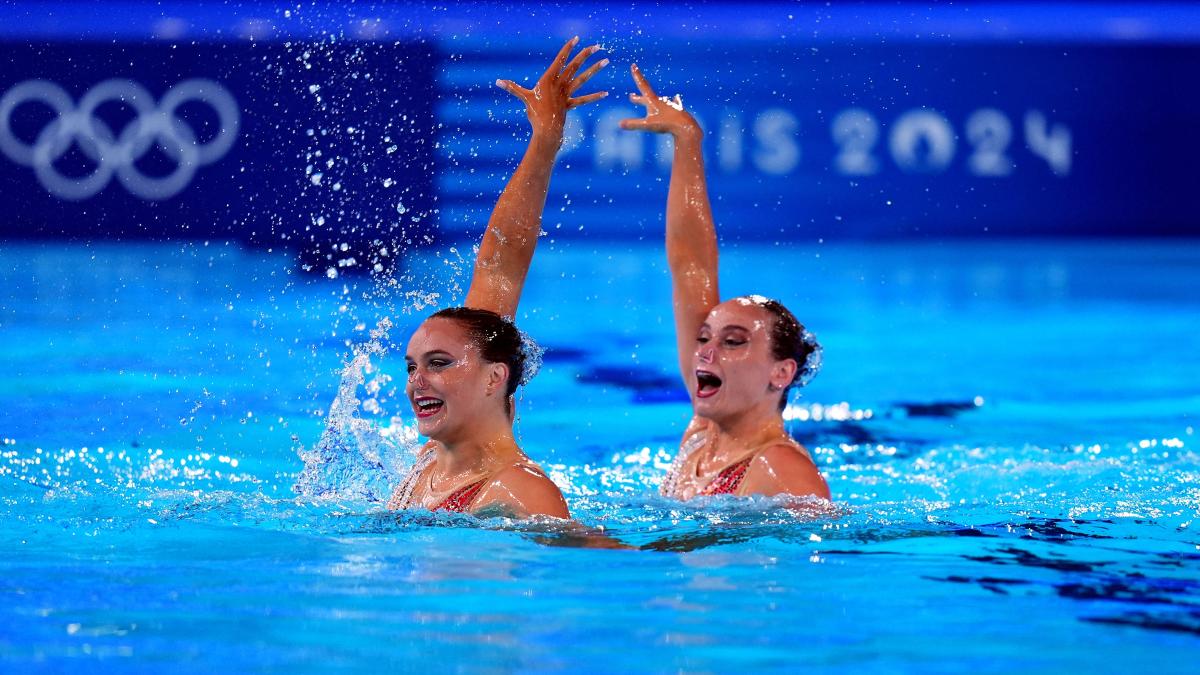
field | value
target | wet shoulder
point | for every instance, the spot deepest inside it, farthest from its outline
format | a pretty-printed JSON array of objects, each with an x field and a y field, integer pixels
[
  {"x": 784, "y": 468},
  {"x": 786, "y": 454},
  {"x": 520, "y": 491}
]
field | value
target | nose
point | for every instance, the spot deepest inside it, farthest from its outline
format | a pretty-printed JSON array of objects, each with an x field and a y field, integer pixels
[
  {"x": 417, "y": 380},
  {"x": 705, "y": 353}
]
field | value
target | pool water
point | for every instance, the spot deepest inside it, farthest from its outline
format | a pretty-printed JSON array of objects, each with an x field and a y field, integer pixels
[{"x": 1008, "y": 429}]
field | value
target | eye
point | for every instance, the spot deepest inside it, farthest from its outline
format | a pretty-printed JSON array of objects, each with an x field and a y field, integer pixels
[
  {"x": 734, "y": 342},
  {"x": 412, "y": 368},
  {"x": 439, "y": 363},
  {"x": 702, "y": 339}
]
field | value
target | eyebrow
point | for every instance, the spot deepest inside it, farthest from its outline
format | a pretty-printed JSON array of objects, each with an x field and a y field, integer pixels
[
  {"x": 430, "y": 353},
  {"x": 737, "y": 327}
]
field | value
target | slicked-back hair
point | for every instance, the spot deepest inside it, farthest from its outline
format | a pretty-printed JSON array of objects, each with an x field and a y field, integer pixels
[
  {"x": 787, "y": 341},
  {"x": 497, "y": 339}
]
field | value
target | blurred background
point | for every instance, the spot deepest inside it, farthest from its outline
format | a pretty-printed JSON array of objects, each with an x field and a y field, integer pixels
[{"x": 299, "y": 127}]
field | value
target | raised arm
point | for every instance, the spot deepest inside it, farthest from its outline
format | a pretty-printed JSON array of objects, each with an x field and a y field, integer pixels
[
  {"x": 512, "y": 231},
  {"x": 691, "y": 236}
]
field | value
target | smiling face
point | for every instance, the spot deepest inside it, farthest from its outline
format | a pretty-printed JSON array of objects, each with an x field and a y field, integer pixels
[
  {"x": 451, "y": 388},
  {"x": 734, "y": 367}
]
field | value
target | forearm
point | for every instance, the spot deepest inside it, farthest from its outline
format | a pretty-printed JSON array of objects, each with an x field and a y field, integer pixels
[
  {"x": 691, "y": 248},
  {"x": 691, "y": 235},
  {"x": 513, "y": 228},
  {"x": 518, "y": 211}
]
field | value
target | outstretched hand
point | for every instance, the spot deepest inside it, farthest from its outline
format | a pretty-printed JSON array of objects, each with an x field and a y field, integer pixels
[
  {"x": 552, "y": 96},
  {"x": 663, "y": 115}
]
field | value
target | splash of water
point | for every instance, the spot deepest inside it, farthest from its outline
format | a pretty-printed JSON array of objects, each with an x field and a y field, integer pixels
[{"x": 357, "y": 459}]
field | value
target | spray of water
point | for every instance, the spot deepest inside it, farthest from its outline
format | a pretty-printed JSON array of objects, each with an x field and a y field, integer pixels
[{"x": 356, "y": 458}]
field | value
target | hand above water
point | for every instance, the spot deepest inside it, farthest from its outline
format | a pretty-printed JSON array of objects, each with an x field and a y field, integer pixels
[
  {"x": 552, "y": 96},
  {"x": 663, "y": 115},
  {"x": 504, "y": 255}
]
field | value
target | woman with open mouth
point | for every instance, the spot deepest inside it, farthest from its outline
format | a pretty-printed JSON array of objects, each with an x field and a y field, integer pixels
[
  {"x": 465, "y": 363},
  {"x": 739, "y": 358}
]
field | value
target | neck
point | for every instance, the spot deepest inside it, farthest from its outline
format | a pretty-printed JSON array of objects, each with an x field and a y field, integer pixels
[
  {"x": 487, "y": 445},
  {"x": 750, "y": 429}
]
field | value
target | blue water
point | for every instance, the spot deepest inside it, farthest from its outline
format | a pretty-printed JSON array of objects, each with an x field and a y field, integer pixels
[{"x": 1008, "y": 428}]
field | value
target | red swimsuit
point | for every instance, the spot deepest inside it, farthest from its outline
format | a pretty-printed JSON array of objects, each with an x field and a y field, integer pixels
[
  {"x": 728, "y": 481},
  {"x": 460, "y": 500}
]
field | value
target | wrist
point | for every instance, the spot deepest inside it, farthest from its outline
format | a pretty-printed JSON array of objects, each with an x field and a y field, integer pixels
[
  {"x": 546, "y": 141},
  {"x": 689, "y": 136}
]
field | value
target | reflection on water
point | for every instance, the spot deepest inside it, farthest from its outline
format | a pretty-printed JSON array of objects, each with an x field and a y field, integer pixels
[{"x": 995, "y": 451}]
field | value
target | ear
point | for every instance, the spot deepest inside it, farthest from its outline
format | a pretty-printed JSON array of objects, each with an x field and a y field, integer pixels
[
  {"x": 497, "y": 377},
  {"x": 782, "y": 373}
]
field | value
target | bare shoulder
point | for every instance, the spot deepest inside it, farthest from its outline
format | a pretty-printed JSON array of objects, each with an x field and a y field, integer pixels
[
  {"x": 520, "y": 491},
  {"x": 785, "y": 455},
  {"x": 784, "y": 468}
]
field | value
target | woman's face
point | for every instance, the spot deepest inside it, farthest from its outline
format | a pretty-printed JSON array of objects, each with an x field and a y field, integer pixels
[
  {"x": 449, "y": 385},
  {"x": 734, "y": 368}
]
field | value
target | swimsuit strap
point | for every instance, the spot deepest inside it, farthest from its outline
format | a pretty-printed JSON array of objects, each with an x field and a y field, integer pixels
[
  {"x": 460, "y": 500},
  {"x": 730, "y": 478},
  {"x": 695, "y": 438},
  {"x": 402, "y": 496}
]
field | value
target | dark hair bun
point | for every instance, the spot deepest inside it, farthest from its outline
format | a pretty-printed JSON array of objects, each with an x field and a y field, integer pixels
[
  {"x": 498, "y": 341},
  {"x": 791, "y": 340}
]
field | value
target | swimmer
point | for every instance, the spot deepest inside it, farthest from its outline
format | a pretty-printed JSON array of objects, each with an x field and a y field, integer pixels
[
  {"x": 465, "y": 363},
  {"x": 739, "y": 358}
]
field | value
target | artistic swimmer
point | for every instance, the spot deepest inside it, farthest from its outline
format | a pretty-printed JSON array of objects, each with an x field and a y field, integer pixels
[
  {"x": 465, "y": 363},
  {"x": 739, "y": 358}
]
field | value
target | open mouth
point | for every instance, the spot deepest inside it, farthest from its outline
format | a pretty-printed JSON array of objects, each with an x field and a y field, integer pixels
[
  {"x": 427, "y": 406},
  {"x": 707, "y": 384}
]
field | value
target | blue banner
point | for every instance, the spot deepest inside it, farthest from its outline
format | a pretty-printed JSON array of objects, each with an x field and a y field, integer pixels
[
  {"x": 857, "y": 141},
  {"x": 307, "y": 147},
  {"x": 276, "y": 129}
]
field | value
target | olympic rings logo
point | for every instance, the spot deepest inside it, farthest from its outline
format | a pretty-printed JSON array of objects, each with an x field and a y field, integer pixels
[{"x": 115, "y": 153}]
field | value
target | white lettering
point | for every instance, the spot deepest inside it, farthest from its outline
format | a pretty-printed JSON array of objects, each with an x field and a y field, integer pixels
[
  {"x": 778, "y": 152},
  {"x": 1052, "y": 145},
  {"x": 989, "y": 131},
  {"x": 729, "y": 141},
  {"x": 922, "y": 141},
  {"x": 856, "y": 131}
]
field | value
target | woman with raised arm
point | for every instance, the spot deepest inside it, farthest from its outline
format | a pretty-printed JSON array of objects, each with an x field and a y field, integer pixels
[
  {"x": 739, "y": 358},
  {"x": 464, "y": 363}
]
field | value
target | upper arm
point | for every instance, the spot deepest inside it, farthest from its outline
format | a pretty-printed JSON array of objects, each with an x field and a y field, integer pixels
[
  {"x": 694, "y": 293},
  {"x": 521, "y": 492},
  {"x": 783, "y": 470},
  {"x": 511, "y": 236},
  {"x": 499, "y": 275}
]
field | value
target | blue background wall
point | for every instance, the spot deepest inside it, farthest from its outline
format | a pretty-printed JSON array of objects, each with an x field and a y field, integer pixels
[{"x": 862, "y": 120}]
